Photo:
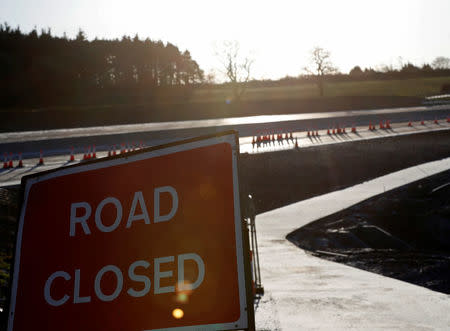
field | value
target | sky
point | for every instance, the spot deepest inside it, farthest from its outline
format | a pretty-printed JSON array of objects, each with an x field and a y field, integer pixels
[{"x": 278, "y": 35}]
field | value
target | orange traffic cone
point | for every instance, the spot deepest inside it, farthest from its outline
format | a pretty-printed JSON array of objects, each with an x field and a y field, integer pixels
[
  {"x": 436, "y": 121},
  {"x": 448, "y": 119},
  {"x": 10, "y": 164},
  {"x": 72, "y": 157},
  {"x": 41, "y": 158},
  {"x": 410, "y": 124},
  {"x": 296, "y": 143},
  {"x": 388, "y": 125},
  {"x": 20, "y": 164},
  {"x": 353, "y": 129},
  {"x": 308, "y": 134},
  {"x": 422, "y": 122},
  {"x": 94, "y": 152},
  {"x": 290, "y": 135},
  {"x": 381, "y": 125},
  {"x": 317, "y": 133}
]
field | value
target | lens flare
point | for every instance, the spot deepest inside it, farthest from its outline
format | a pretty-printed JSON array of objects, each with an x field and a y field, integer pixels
[{"x": 177, "y": 313}]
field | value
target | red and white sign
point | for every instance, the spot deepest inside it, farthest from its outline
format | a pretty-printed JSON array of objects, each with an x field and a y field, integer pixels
[{"x": 148, "y": 241}]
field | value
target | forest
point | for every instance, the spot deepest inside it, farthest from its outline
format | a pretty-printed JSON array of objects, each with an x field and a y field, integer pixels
[{"x": 38, "y": 69}]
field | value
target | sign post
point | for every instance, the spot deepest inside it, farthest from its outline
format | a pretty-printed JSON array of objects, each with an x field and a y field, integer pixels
[{"x": 147, "y": 240}]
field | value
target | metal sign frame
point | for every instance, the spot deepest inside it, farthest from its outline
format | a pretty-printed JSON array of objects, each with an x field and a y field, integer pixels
[{"x": 246, "y": 319}]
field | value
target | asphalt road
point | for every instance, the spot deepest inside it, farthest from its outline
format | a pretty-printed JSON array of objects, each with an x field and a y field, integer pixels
[
  {"x": 12, "y": 176},
  {"x": 59, "y": 142}
]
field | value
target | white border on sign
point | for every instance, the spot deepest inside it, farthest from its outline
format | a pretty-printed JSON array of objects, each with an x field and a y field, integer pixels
[{"x": 242, "y": 322}]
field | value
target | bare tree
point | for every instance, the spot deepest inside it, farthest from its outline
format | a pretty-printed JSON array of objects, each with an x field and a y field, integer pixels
[
  {"x": 320, "y": 66},
  {"x": 235, "y": 67},
  {"x": 441, "y": 62}
]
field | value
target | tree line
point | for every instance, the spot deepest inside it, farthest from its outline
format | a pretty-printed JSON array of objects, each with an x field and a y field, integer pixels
[{"x": 43, "y": 69}]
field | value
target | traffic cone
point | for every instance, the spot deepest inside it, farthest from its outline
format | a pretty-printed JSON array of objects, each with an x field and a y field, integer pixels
[
  {"x": 141, "y": 145},
  {"x": 84, "y": 154},
  {"x": 94, "y": 152},
  {"x": 381, "y": 125},
  {"x": 328, "y": 132},
  {"x": 448, "y": 119},
  {"x": 291, "y": 135},
  {"x": 308, "y": 134},
  {"x": 41, "y": 158},
  {"x": 370, "y": 127},
  {"x": 388, "y": 125},
  {"x": 338, "y": 130},
  {"x": 334, "y": 131},
  {"x": 72, "y": 157},
  {"x": 20, "y": 164},
  {"x": 410, "y": 124},
  {"x": 343, "y": 130},
  {"x": 296, "y": 143},
  {"x": 436, "y": 121},
  {"x": 109, "y": 151},
  {"x": 317, "y": 133},
  {"x": 422, "y": 122},
  {"x": 10, "y": 164},
  {"x": 353, "y": 129},
  {"x": 5, "y": 161}
]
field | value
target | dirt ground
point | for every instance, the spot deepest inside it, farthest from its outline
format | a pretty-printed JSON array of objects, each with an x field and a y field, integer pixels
[{"x": 403, "y": 234}]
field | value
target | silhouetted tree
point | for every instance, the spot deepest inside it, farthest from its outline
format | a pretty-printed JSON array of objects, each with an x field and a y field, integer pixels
[
  {"x": 236, "y": 68},
  {"x": 356, "y": 71},
  {"x": 320, "y": 66},
  {"x": 441, "y": 63}
]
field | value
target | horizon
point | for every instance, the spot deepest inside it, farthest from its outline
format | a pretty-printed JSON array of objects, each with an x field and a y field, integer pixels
[{"x": 394, "y": 34}]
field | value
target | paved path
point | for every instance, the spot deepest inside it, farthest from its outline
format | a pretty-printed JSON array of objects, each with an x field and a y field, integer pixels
[{"x": 306, "y": 292}]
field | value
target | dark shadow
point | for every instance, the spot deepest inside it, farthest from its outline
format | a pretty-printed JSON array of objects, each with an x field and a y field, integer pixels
[
  {"x": 401, "y": 234},
  {"x": 283, "y": 177}
]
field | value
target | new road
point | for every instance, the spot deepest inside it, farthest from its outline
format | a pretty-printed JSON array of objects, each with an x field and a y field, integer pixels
[{"x": 56, "y": 145}]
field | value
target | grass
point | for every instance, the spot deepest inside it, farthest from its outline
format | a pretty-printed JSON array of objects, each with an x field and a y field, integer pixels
[{"x": 418, "y": 87}]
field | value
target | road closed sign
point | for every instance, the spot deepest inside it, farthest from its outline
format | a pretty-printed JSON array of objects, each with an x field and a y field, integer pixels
[{"x": 145, "y": 241}]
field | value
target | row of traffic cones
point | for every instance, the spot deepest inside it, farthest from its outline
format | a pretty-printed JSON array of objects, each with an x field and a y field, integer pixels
[
  {"x": 272, "y": 137},
  {"x": 312, "y": 133},
  {"x": 8, "y": 162},
  {"x": 422, "y": 122},
  {"x": 89, "y": 153},
  {"x": 339, "y": 130}
]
